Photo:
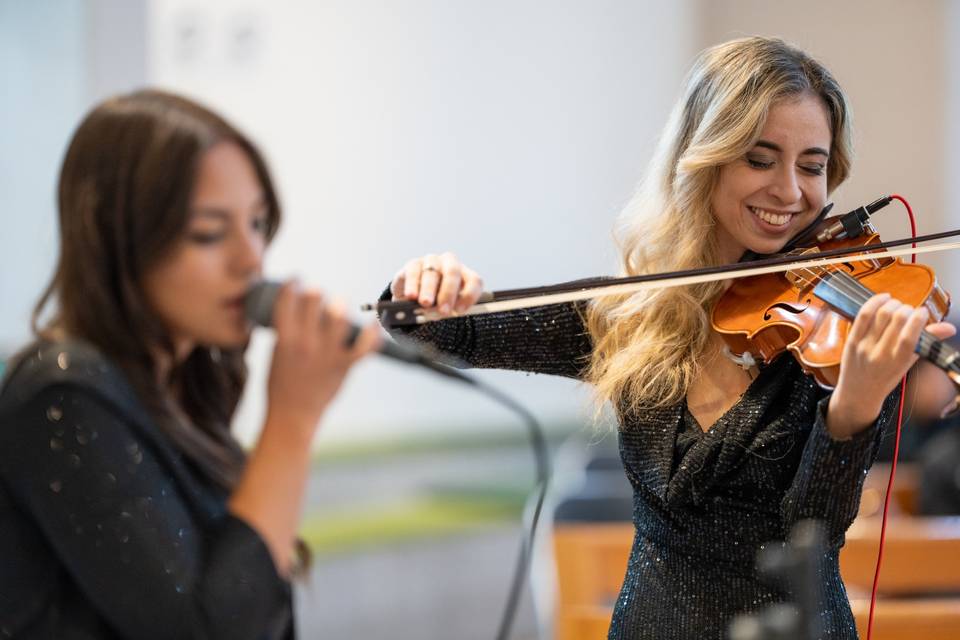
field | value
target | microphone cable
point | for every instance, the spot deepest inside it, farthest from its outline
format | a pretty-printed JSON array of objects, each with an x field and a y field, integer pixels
[{"x": 541, "y": 458}]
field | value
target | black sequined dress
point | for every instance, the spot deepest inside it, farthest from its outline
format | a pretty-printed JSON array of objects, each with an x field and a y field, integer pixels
[
  {"x": 107, "y": 531},
  {"x": 705, "y": 502}
]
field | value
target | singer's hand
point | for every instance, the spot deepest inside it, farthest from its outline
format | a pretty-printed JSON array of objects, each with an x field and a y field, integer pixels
[
  {"x": 440, "y": 280},
  {"x": 311, "y": 356}
]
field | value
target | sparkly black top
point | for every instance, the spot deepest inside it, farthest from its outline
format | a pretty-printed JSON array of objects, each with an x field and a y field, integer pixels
[
  {"x": 105, "y": 530},
  {"x": 704, "y": 502}
]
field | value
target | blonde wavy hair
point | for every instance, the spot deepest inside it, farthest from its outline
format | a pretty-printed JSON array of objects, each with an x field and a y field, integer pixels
[{"x": 647, "y": 344}]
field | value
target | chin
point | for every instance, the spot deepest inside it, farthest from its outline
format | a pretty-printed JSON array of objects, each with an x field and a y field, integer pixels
[
  {"x": 767, "y": 246},
  {"x": 227, "y": 340}
]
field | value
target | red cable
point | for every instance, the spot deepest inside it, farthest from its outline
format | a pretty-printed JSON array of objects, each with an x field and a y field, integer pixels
[
  {"x": 886, "y": 507},
  {"x": 913, "y": 222},
  {"x": 896, "y": 451}
]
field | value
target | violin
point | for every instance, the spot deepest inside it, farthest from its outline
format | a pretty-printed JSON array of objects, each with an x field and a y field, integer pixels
[
  {"x": 809, "y": 310},
  {"x": 803, "y": 301}
]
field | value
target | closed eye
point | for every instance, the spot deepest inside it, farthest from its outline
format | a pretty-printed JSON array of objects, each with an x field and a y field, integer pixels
[
  {"x": 200, "y": 237},
  {"x": 759, "y": 164},
  {"x": 260, "y": 224}
]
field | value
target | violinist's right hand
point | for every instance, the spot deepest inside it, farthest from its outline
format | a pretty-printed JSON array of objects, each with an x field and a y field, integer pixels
[{"x": 440, "y": 280}]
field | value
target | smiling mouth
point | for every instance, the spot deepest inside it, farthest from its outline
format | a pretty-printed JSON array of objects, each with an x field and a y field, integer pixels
[{"x": 776, "y": 219}]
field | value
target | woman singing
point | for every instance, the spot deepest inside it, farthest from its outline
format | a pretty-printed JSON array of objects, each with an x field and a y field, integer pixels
[{"x": 127, "y": 509}]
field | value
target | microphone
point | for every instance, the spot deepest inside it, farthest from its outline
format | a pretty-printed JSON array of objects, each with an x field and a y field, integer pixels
[
  {"x": 853, "y": 223},
  {"x": 259, "y": 303}
]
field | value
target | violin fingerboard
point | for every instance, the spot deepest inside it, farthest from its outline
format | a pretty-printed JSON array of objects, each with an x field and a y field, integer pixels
[{"x": 845, "y": 296}]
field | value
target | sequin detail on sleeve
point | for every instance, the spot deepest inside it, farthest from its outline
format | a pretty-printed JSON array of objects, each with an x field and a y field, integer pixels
[{"x": 549, "y": 339}]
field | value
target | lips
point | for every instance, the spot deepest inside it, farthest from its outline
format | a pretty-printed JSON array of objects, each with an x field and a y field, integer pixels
[{"x": 235, "y": 302}]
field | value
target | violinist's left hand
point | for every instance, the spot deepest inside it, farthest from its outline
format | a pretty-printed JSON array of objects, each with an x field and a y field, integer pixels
[{"x": 878, "y": 353}]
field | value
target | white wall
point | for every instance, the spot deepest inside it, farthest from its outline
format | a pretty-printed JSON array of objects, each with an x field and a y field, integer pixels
[
  {"x": 510, "y": 132},
  {"x": 951, "y": 136},
  {"x": 43, "y": 74},
  {"x": 57, "y": 58}
]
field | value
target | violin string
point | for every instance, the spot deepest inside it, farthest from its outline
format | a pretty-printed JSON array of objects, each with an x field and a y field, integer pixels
[
  {"x": 926, "y": 339},
  {"x": 858, "y": 293}
]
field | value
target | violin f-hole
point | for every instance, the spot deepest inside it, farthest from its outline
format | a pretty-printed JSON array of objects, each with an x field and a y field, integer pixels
[{"x": 790, "y": 308}]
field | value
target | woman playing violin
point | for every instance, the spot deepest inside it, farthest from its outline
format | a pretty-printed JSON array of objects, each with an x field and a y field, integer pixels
[{"x": 722, "y": 459}]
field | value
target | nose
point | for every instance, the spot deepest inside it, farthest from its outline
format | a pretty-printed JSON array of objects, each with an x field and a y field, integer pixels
[
  {"x": 248, "y": 253},
  {"x": 785, "y": 186}
]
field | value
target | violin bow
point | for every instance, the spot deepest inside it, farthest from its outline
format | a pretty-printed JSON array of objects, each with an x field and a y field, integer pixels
[{"x": 408, "y": 312}]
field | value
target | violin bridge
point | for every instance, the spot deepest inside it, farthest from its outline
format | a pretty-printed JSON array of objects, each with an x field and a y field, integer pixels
[{"x": 804, "y": 277}]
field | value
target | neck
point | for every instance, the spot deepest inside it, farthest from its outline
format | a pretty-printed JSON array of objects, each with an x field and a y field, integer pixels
[
  {"x": 165, "y": 362},
  {"x": 729, "y": 251}
]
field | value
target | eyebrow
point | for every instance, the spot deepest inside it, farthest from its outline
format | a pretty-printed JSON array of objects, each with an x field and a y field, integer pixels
[
  {"x": 215, "y": 212},
  {"x": 209, "y": 213},
  {"x": 806, "y": 152}
]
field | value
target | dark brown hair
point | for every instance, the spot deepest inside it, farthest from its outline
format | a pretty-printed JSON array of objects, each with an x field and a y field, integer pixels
[{"x": 124, "y": 193}]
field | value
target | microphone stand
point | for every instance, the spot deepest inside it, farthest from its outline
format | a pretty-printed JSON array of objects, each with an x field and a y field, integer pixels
[{"x": 796, "y": 564}]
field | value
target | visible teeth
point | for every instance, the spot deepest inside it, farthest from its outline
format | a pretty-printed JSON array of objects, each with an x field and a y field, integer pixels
[{"x": 772, "y": 218}]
